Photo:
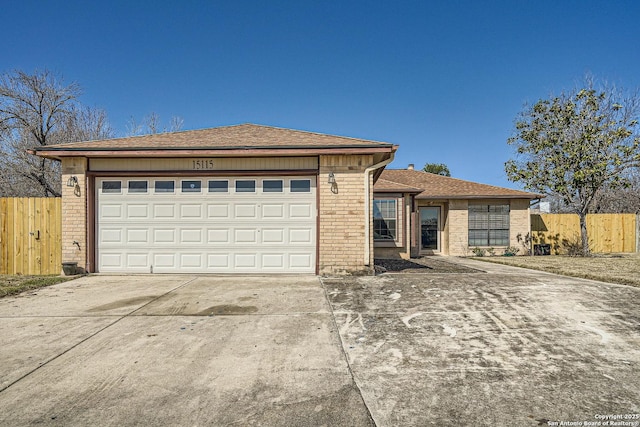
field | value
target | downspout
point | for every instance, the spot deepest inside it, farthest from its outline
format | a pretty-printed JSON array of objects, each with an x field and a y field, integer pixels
[{"x": 367, "y": 204}]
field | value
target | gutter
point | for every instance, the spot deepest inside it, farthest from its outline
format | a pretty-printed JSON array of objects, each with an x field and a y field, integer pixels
[{"x": 367, "y": 207}]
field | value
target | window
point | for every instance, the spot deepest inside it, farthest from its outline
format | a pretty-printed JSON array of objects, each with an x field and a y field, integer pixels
[
  {"x": 272, "y": 186},
  {"x": 218, "y": 186},
  {"x": 384, "y": 219},
  {"x": 191, "y": 186},
  {"x": 488, "y": 225},
  {"x": 137, "y": 186},
  {"x": 300, "y": 186},
  {"x": 165, "y": 186},
  {"x": 245, "y": 186},
  {"x": 111, "y": 187}
]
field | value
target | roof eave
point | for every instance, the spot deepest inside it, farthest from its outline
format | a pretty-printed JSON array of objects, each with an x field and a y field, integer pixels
[
  {"x": 397, "y": 190},
  {"x": 483, "y": 196},
  {"x": 58, "y": 153}
]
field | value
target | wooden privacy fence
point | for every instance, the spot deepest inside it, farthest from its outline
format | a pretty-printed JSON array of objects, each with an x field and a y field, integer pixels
[
  {"x": 31, "y": 230},
  {"x": 608, "y": 233},
  {"x": 30, "y": 235}
]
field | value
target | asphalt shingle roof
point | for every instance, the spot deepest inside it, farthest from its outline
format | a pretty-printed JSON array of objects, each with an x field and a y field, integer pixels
[
  {"x": 248, "y": 135},
  {"x": 434, "y": 186}
]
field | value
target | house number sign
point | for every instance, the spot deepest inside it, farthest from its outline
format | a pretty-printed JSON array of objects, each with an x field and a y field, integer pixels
[{"x": 202, "y": 164}]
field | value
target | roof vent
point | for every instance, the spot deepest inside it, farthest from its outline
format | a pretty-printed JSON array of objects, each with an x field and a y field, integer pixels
[{"x": 410, "y": 167}]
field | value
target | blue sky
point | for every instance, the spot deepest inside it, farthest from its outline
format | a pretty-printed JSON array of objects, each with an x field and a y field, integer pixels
[{"x": 444, "y": 80}]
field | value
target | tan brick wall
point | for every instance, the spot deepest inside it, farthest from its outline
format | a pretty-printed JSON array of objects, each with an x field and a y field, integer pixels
[
  {"x": 458, "y": 220},
  {"x": 341, "y": 215},
  {"x": 519, "y": 222},
  {"x": 74, "y": 212},
  {"x": 519, "y": 218}
]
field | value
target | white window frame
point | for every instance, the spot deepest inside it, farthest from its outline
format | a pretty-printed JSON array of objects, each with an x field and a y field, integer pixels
[{"x": 384, "y": 214}]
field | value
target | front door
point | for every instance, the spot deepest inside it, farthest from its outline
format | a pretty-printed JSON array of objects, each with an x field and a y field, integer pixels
[{"x": 429, "y": 228}]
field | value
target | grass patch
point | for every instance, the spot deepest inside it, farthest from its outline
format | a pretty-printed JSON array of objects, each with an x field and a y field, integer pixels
[
  {"x": 613, "y": 268},
  {"x": 14, "y": 284}
]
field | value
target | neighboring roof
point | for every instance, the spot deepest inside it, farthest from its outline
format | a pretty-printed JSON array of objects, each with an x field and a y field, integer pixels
[
  {"x": 237, "y": 139},
  {"x": 385, "y": 186},
  {"x": 434, "y": 186}
]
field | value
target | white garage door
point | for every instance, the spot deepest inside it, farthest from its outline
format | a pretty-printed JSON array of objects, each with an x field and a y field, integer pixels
[{"x": 206, "y": 225}]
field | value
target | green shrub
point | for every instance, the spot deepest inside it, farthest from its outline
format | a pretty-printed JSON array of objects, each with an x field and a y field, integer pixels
[
  {"x": 478, "y": 251},
  {"x": 511, "y": 251}
]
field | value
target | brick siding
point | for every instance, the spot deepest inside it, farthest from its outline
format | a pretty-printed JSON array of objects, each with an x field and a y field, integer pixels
[
  {"x": 341, "y": 237},
  {"x": 74, "y": 212}
]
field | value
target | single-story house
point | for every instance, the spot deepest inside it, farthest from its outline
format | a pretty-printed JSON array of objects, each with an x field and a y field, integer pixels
[
  {"x": 234, "y": 199},
  {"x": 256, "y": 199},
  {"x": 419, "y": 213}
]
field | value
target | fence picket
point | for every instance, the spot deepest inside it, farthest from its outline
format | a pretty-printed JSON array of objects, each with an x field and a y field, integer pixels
[
  {"x": 30, "y": 235},
  {"x": 608, "y": 233}
]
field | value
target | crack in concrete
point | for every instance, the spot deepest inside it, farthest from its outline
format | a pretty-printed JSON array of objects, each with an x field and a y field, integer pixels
[{"x": 344, "y": 353}]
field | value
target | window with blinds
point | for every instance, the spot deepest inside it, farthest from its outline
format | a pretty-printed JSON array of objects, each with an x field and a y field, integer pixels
[{"x": 488, "y": 225}]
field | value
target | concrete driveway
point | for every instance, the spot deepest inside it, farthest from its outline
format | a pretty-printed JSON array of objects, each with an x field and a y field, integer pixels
[
  {"x": 175, "y": 350},
  {"x": 500, "y": 347},
  {"x": 494, "y": 346}
]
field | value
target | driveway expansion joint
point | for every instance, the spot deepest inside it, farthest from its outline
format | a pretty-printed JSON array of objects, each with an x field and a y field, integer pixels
[{"x": 344, "y": 353}]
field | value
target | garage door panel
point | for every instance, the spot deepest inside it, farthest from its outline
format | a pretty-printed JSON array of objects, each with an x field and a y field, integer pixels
[
  {"x": 222, "y": 232},
  {"x": 191, "y": 211},
  {"x": 218, "y": 261},
  {"x": 164, "y": 211},
  {"x": 165, "y": 236},
  {"x": 111, "y": 235},
  {"x": 137, "y": 260},
  {"x": 137, "y": 235},
  {"x": 164, "y": 260},
  {"x": 245, "y": 260},
  {"x": 188, "y": 235},
  {"x": 218, "y": 236},
  {"x": 111, "y": 211},
  {"x": 191, "y": 260},
  {"x": 273, "y": 211},
  {"x": 245, "y": 235},
  {"x": 138, "y": 211},
  {"x": 246, "y": 211},
  {"x": 301, "y": 235},
  {"x": 218, "y": 211},
  {"x": 300, "y": 211},
  {"x": 300, "y": 261},
  {"x": 273, "y": 260},
  {"x": 111, "y": 260},
  {"x": 272, "y": 235}
]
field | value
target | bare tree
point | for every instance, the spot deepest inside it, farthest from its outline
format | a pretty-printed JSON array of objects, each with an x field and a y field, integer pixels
[
  {"x": 152, "y": 124},
  {"x": 621, "y": 198},
  {"x": 38, "y": 110}
]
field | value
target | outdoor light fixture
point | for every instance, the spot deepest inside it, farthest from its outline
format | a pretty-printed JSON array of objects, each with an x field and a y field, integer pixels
[
  {"x": 332, "y": 178},
  {"x": 72, "y": 181},
  {"x": 332, "y": 181}
]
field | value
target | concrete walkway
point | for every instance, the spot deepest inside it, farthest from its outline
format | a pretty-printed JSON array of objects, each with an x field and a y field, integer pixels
[{"x": 175, "y": 350}]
